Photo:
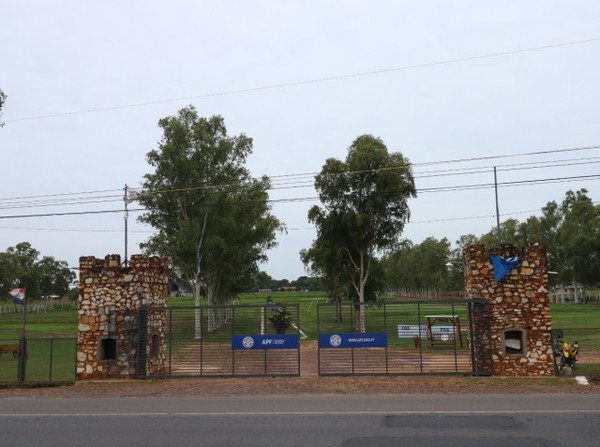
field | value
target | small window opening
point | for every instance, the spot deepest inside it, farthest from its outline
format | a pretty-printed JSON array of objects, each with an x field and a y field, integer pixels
[
  {"x": 514, "y": 342},
  {"x": 154, "y": 346},
  {"x": 108, "y": 349}
]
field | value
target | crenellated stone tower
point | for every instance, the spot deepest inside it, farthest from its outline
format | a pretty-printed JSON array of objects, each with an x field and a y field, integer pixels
[
  {"x": 518, "y": 309},
  {"x": 122, "y": 317}
]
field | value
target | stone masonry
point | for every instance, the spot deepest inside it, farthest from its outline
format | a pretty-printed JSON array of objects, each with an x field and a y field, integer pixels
[
  {"x": 122, "y": 317},
  {"x": 520, "y": 323}
]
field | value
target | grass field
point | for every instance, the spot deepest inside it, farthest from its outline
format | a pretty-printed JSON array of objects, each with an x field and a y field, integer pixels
[
  {"x": 51, "y": 335},
  {"x": 577, "y": 320}
]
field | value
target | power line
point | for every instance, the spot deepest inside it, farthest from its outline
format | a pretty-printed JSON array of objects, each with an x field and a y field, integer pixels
[
  {"x": 447, "y": 219},
  {"x": 314, "y": 198},
  {"x": 35, "y": 200},
  {"x": 72, "y": 199},
  {"x": 496, "y": 157},
  {"x": 305, "y": 184},
  {"x": 71, "y": 213},
  {"x": 309, "y": 81},
  {"x": 75, "y": 230},
  {"x": 101, "y": 191},
  {"x": 509, "y": 184}
]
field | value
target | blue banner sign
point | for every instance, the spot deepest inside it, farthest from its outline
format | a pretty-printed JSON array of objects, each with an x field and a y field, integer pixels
[
  {"x": 355, "y": 340},
  {"x": 283, "y": 341}
]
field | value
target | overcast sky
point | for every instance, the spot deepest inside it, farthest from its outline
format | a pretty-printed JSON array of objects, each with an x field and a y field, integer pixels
[{"x": 440, "y": 80}]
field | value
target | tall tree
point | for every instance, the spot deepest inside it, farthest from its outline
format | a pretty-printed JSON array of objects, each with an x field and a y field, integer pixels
[
  {"x": 23, "y": 259},
  {"x": 545, "y": 228},
  {"x": 421, "y": 269},
  {"x": 327, "y": 259},
  {"x": 579, "y": 236},
  {"x": 55, "y": 277},
  {"x": 571, "y": 232},
  {"x": 365, "y": 203},
  {"x": 509, "y": 234},
  {"x": 213, "y": 219},
  {"x": 20, "y": 266}
]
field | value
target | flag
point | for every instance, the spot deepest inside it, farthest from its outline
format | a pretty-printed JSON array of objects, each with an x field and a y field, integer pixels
[
  {"x": 18, "y": 295},
  {"x": 503, "y": 266}
]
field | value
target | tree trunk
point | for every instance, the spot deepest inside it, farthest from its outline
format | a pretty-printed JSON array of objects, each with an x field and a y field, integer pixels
[
  {"x": 338, "y": 310},
  {"x": 361, "y": 295},
  {"x": 197, "y": 311}
]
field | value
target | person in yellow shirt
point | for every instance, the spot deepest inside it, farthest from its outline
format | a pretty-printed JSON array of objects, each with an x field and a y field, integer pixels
[
  {"x": 565, "y": 351},
  {"x": 573, "y": 352}
]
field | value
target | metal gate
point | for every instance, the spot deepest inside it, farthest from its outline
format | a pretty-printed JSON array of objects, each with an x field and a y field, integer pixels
[
  {"x": 227, "y": 341},
  {"x": 400, "y": 338}
]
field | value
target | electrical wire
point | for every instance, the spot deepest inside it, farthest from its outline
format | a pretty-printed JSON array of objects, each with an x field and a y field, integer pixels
[
  {"x": 288, "y": 182},
  {"x": 314, "y": 198},
  {"x": 308, "y": 81}
]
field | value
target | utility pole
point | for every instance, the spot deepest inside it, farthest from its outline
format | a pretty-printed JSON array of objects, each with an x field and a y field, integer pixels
[
  {"x": 130, "y": 195},
  {"x": 497, "y": 207},
  {"x": 125, "y": 217}
]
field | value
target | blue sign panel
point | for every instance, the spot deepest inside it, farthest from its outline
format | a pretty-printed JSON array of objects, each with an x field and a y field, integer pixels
[
  {"x": 356, "y": 340},
  {"x": 283, "y": 341}
]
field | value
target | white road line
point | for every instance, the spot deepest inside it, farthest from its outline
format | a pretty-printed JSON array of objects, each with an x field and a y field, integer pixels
[{"x": 300, "y": 413}]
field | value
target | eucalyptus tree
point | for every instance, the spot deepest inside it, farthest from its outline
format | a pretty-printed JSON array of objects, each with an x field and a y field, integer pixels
[
  {"x": 571, "y": 232},
  {"x": 21, "y": 266},
  {"x": 579, "y": 236},
  {"x": 365, "y": 204},
  {"x": 421, "y": 269},
  {"x": 212, "y": 218},
  {"x": 326, "y": 259},
  {"x": 546, "y": 229}
]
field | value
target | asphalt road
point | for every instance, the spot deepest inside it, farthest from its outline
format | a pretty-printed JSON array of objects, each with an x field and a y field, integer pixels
[{"x": 350, "y": 421}]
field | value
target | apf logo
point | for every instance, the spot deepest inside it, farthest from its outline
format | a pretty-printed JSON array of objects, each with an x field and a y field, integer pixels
[
  {"x": 335, "y": 340},
  {"x": 248, "y": 342}
]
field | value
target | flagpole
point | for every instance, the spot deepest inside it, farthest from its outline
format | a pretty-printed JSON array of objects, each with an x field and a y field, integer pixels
[
  {"x": 24, "y": 317},
  {"x": 126, "y": 216}
]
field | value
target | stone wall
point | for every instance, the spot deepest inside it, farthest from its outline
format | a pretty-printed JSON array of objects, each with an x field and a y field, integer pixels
[
  {"x": 520, "y": 322},
  {"x": 122, "y": 319}
]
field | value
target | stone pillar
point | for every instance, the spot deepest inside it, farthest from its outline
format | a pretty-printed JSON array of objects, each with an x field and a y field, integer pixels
[
  {"x": 110, "y": 337},
  {"x": 520, "y": 322}
]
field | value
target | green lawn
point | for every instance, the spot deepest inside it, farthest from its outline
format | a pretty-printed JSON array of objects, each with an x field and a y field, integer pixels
[
  {"x": 50, "y": 345},
  {"x": 575, "y": 319},
  {"x": 579, "y": 322},
  {"x": 51, "y": 335}
]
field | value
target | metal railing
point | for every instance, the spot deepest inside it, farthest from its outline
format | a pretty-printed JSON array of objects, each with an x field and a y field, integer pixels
[
  {"x": 394, "y": 339},
  {"x": 37, "y": 360}
]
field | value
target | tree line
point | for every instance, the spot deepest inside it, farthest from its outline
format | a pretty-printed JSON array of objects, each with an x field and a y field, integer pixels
[
  {"x": 42, "y": 277},
  {"x": 214, "y": 221},
  {"x": 214, "y": 224},
  {"x": 570, "y": 229}
]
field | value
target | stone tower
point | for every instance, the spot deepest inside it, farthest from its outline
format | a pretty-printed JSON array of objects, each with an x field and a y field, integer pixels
[
  {"x": 519, "y": 308},
  {"x": 122, "y": 317}
]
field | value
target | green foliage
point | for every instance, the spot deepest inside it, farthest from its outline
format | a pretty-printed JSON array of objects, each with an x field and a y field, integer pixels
[
  {"x": 21, "y": 266},
  {"x": 364, "y": 209},
  {"x": 281, "y": 320},
  {"x": 571, "y": 232},
  {"x": 213, "y": 219},
  {"x": 580, "y": 322},
  {"x": 421, "y": 267}
]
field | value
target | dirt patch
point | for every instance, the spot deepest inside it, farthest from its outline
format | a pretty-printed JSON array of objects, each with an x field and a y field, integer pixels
[
  {"x": 310, "y": 383},
  {"x": 307, "y": 385}
]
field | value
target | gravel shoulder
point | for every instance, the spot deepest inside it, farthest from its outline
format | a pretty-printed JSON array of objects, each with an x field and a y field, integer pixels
[
  {"x": 310, "y": 383},
  {"x": 306, "y": 385}
]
